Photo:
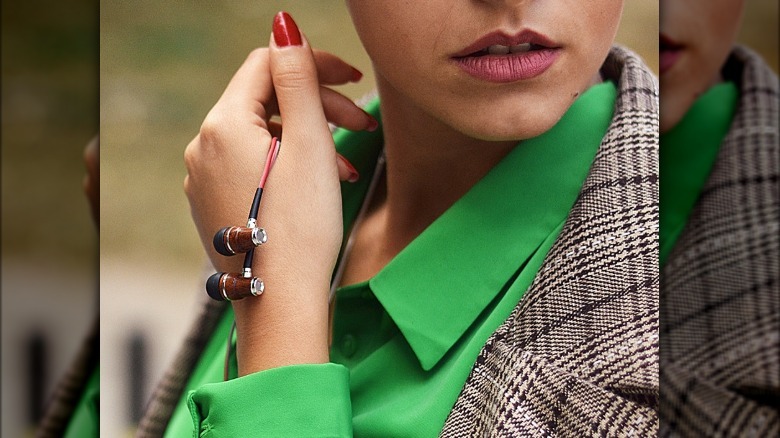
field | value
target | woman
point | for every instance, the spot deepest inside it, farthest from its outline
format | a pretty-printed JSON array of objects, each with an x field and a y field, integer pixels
[
  {"x": 462, "y": 222},
  {"x": 720, "y": 358}
]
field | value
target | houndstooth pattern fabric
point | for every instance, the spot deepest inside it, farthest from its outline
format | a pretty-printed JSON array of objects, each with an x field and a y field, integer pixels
[
  {"x": 170, "y": 389},
  {"x": 59, "y": 410},
  {"x": 578, "y": 356},
  {"x": 720, "y": 327}
]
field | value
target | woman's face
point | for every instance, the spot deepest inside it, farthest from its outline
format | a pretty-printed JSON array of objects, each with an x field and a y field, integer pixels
[
  {"x": 493, "y": 70},
  {"x": 696, "y": 38}
]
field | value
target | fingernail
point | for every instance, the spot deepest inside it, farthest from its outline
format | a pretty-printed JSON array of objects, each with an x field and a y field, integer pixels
[
  {"x": 286, "y": 32},
  {"x": 372, "y": 123},
  {"x": 357, "y": 75},
  {"x": 353, "y": 173}
]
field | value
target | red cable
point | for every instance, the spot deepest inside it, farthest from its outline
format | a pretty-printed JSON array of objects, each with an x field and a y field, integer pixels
[{"x": 270, "y": 160}]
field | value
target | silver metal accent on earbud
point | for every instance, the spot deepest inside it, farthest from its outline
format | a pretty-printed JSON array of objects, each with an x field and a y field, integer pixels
[
  {"x": 223, "y": 289},
  {"x": 259, "y": 236},
  {"x": 257, "y": 287}
]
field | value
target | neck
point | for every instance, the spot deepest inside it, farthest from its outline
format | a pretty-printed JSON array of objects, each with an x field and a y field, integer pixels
[{"x": 429, "y": 166}]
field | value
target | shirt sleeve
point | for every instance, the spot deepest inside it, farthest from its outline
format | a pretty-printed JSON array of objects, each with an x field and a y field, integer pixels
[{"x": 299, "y": 400}]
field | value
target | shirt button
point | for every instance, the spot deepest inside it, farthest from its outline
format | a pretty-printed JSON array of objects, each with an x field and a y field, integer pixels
[{"x": 348, "y": 346}]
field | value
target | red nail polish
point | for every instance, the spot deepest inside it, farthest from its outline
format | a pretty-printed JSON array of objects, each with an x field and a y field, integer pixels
[
  {"x": 373, "y": 124},
  {"x": 286, "y": 32},
  {"x": 353, "y": 173},
  {"x": 356, "y": 75}
]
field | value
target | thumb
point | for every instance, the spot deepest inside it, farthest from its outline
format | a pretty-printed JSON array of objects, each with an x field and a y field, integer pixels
[{"x": 294, "y": 75}]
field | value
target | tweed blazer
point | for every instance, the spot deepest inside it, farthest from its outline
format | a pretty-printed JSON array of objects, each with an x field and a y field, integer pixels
[
  {"x": 579, "y": 354},
  {"x": 720, "y": 326},
  {"x": 70, "y": 388}
]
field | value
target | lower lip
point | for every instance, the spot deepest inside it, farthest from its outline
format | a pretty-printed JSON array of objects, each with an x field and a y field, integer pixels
[
  {"x": 667, "y": 59},
  {"x": 510, "y": 67}
]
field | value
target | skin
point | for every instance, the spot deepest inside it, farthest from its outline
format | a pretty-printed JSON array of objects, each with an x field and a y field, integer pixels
[
  {"x": 435, "y": 150},
  {"x": 444, "y": 130},
  {"x": 706, "y": 30},
  {"x": 300, "y": 204},
  {"x": 411, "y": 42}
]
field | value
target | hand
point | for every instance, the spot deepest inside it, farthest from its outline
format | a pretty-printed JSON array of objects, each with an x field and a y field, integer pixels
[{"x": 301, "y": 207}]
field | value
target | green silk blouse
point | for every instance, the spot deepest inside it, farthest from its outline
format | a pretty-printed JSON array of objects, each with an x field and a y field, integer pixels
[{"x": 405, "y": 341}]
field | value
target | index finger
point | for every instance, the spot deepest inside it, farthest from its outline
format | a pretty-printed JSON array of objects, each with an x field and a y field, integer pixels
[{"x": 251, "y": 87}]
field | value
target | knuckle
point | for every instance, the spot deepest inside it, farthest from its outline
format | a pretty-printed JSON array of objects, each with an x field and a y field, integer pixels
[
  {"x": 186, "y": 185},
  {"x": 190, "y": 156},
  {"x": 212, "y": 128},
  {"x": 292, "y": 77}
]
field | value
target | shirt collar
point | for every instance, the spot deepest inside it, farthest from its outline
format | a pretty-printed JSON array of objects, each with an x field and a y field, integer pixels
[
  {"x": 687, "y": 153},
  {"x": 437, "y": 286}
]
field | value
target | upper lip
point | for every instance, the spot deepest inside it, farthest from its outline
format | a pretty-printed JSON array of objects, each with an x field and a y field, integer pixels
[
  {"x": 504, "y": 39},
  {"x": 666, "y": 43}
]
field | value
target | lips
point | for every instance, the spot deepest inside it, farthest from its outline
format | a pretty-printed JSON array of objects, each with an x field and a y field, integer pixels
[
  {"x": 669, "y": 52},
  {"x": 498, "y": 57}
]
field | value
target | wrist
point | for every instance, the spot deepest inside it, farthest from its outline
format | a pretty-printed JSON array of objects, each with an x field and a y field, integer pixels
[{"x": 284, "y": 326}]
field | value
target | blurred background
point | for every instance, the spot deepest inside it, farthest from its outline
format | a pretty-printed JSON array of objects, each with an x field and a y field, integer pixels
[
  {"x": 163, "y": 64},
  {"x": 49, "y": 242},
  {"x": 760, "y": 29}
]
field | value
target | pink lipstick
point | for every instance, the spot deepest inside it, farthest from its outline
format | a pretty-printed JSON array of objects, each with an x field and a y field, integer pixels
[
  {"x": 498, "y": 57},
  {"x": 669, "y": 53}
]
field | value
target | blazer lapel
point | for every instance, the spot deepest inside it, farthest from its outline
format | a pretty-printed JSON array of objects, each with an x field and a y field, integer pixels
[
  {"x": 579, "y": 354},
  {"x": 720, "y": 330}
]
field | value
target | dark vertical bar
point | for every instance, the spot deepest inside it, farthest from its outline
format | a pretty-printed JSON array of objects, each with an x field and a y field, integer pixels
[
  {"x": 138, "y": 375},
  {"x": 36, "y": 358}
]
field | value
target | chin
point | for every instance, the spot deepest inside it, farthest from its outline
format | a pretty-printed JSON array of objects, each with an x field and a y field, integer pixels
[{"x": 510, "y": 125}]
